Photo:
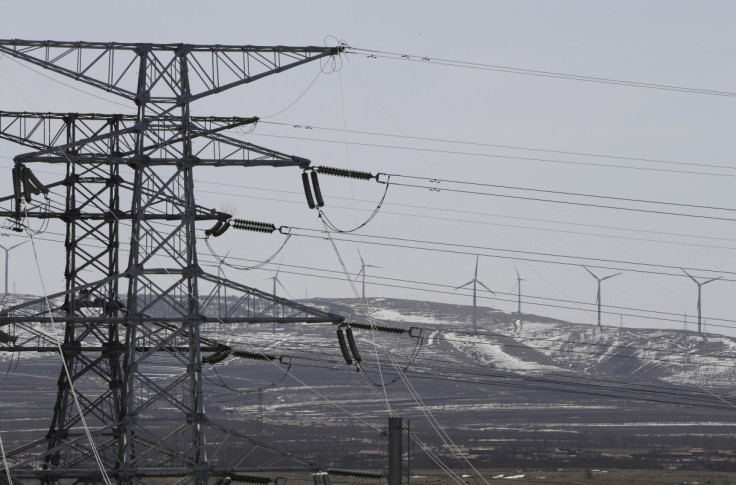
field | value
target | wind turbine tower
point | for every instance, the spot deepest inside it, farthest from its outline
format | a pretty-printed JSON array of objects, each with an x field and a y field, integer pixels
[
  {"x": 363, "y": 266},
  {"x": 700, "y": 287},
  {"x": 475, "y": 282},
  {"x": 7, "y": 259},
  {"x": 598, "y": 296}
]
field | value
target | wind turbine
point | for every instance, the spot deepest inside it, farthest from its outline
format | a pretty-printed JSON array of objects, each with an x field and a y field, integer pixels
[
  {"x": 598, "y": 297},
  {"x": 700, "y": 286},
  {"x": 475, "y": 283},
  {"x": 7, "y": 259},
  {"x": 276, "y": 281},
  {"x": 363, "y": 266},
  {"x": 220, "y": 274},
  {"x": 518, "y": 285}
]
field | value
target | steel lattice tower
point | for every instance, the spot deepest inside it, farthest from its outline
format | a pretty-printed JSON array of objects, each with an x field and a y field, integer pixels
[{"x": 120, "y": 318}]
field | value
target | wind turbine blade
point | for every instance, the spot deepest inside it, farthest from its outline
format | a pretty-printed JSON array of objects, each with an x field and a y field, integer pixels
[
  {"x": 611, "y": 276},
  {"x": 591, "y": 273},
  {"x": 466, "y": 284},
  {"x": 691, "y": 276},
  {"x": 484, "y": 286},
  {"x": 361, "y": 258},
  {"x": 19, "y": 244},
  {"x": 283, "y": 287},
  {"x": 518, "y": 276},
  {"x": 358, "y": 274},
  {"x": 710, "y": 280},
  {"x": 372, "y": 266}
]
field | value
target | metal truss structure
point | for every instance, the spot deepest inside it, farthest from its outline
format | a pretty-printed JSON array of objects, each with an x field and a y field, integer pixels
[{"x": 115, "y": 415}]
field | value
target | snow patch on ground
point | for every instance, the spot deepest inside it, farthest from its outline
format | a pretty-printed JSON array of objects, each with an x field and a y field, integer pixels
[
  {"x": 395, "y": 316},
  {"x": 488, "y": 351}
]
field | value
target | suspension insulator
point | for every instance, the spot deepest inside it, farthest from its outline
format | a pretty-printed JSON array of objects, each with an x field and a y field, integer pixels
[
  {"x": 307, "y": 190},
  {"x": 252, "y": 355},
  {"x": 317, "y": 191},
  {"x": 216, "y": 357},
  {"x": 343, "y": 347},
  {"x": 355, "y": 473},
  {"x": 341, "y": 172},
  {"x": 214, "y": 228},
  {"x": 26, "y": 185},
  {"x": 238, "y": 477},
  {"x": 254, "y": 226},
  {"x": 353, "y": 347},
  {"x": 221, "y": 230},
  {"x": 378, "y": 328}
]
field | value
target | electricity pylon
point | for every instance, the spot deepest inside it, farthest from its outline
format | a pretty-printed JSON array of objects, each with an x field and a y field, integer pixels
[
  {"x": 122, "y": 324},
  {"x": 598, "y": 294},
  {"x": 475, "y": 282},
  {"x": 700, "y": 287}
]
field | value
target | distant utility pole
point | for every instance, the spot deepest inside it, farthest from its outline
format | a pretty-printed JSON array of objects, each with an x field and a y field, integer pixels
[
  {"x": 598, "y": 296},
  {"x": 7, "y": 260},
  {"x": 700, "y": 287},
  {"x": 395, "y": 450}
]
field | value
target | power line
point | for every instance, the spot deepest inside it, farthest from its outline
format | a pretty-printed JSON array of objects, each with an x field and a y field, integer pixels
[
  {"x": 302, "y": 126},
  {"x": 556, "y": 192},
  {"x": 613, "y": 309},
  {"x": 568, "y": 202},
  {"x": 435, "y": 209},
  {"x": 532, "y": 72},
  {"x": 504, "y": 157},
  {"x": 596, "y": 262}
]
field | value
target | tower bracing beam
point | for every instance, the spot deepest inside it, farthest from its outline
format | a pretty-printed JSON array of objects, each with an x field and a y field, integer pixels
[{"x": 124, "y": 314}]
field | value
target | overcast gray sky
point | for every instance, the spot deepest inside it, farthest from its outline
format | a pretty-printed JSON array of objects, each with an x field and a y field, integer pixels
[{"x": 677, "y": 43}]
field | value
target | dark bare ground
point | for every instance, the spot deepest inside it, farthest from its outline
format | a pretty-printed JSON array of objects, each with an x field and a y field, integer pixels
[{"x": 573, "y": 476}]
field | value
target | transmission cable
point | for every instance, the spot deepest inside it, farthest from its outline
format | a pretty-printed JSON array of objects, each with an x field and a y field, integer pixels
[
  {"x": 302, "y": 126},
  {"x": 374, "y": 239},
  {"x": 531, "y": 72},
  {"x": 502, "y": 157}
]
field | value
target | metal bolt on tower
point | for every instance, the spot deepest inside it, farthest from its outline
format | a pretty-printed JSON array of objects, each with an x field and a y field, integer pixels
[{"x": 123, "y": 318}]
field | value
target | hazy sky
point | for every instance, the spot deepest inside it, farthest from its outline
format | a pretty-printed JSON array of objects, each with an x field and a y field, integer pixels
[{"x": 689, "y": 44}]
